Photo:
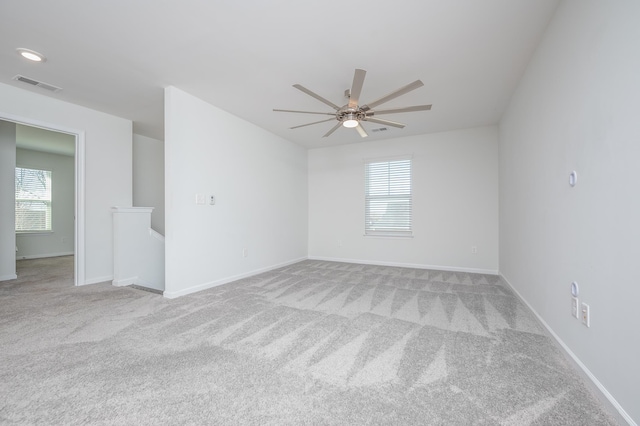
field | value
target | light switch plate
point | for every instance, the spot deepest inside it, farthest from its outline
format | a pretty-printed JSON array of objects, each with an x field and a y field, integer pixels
[{"x": 586, "y": 315}]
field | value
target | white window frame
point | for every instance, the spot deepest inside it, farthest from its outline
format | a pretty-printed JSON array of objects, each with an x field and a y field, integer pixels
[
  {"x": 44, "y": 198},
  {"x": 393, "y": 185}
]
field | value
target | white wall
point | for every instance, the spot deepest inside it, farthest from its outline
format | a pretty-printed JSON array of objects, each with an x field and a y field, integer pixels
[
  {"x": 260, "y": 184},
  {"x": 148, "y": 178},
  {"x": 576, "y": 108},
  {"x": 455, "y": 202},
  {"x": 60, "y": 240},
  {"x": 7, "y": 200},
  {"x": 108, "y": 166},
  {"x": 139, "y": 250}
]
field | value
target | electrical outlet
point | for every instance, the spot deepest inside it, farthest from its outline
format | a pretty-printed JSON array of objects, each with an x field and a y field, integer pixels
[
  {"x": 245, "y": 252},
  {"x": 575, "y": 312},
  {"x": 474, "y": 249},
  {"x": 586, "y": 320}
]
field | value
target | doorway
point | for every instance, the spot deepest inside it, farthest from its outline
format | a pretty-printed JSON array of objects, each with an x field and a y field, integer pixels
[{"x": 51, "y": 153}]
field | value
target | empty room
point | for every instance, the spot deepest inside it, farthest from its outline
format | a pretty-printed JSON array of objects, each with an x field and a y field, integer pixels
[{"x": 340, "y": 213}]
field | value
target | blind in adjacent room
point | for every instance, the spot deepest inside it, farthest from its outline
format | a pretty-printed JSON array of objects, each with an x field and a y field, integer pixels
[
  {"x": 33, "y": 200},
  {"x": 388, "y": 198}
]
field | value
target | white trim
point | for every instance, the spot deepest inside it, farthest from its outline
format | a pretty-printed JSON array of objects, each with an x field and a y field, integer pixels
[
  {"x": 147, "y": 284},
  {"x": 388, "y": 236},
  {"x": 44, "y": 256},
  {"x": 80, "y": 211},
  {"x": 408, "y": 265},
  {"x": 117, "y": 209},
  {"x": 575, "y": 358},
  {"x": 35, "y": 233},
  {"x": 205, "y": 286},
  {"x": 8, "y": 277},
  {"x": 98, "y": 280},
  {"x": 387, "y": 158},
  {"x": 134, "y": 281},
  {"x": 125, "y": 282},
  {"x": 79, "y": 247}
]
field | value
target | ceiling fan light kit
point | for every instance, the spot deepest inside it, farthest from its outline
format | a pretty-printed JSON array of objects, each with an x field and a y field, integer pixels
[
  {"x": 350, "y": 120},
  {"x": 353, "y": 114},
  {"x": 350, "y": 123}
]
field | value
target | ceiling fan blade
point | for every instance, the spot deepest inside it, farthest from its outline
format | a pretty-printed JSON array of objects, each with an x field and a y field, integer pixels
[
  {"x": 356, "y": 87},
  {"x": 401, "y": 91},
  {"x": 333, "y": 129},
  {"x": 318, "y": 97},
  {"x": 304, "y": 112},
  {"x": 397, "y": 110},
  {"x": 385, "y": 122},
  {"x": 309, "y": 124},
  {"x": 360, "y": 130}
]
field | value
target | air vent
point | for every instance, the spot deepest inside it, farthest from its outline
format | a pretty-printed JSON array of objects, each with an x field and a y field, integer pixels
[
  {"x": 37, "y": 83},
  {"x": 381, "y": 129}
]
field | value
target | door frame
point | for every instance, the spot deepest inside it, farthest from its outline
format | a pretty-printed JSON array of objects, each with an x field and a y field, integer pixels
[{"x": 79, "y": 208}]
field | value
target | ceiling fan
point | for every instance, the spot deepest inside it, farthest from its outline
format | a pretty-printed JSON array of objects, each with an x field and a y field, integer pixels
[{"x": 353, "y": 114}]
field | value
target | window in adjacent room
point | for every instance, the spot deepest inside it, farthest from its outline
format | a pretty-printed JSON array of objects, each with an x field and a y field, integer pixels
[
  {"x": 388, "y": 197},
  {"x": 33, "y": 200}
]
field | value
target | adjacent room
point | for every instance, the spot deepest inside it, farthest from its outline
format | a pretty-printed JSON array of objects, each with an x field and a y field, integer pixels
[{"x": 336, "y": 213}]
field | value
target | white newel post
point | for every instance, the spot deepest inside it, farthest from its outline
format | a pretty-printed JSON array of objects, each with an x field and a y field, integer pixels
[{"x": 138, "y": 251}]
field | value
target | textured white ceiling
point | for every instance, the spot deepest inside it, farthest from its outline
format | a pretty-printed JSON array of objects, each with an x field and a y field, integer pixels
[{"x": 244, "y": 57}]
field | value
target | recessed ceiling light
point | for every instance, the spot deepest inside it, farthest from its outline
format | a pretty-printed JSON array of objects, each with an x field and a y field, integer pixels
[{"x": 31, "y": 55}]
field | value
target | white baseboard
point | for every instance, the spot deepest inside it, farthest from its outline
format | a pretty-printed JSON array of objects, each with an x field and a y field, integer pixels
[
  {"x": 205, "y": 286},
  {"x": 8, "y": 277},
  {"x": 44, "y": 256},
  {"x": 125, "y": 282},
  {"x": 98, "y": 280},
  {"x": 136, "y": 281},
  {"x": 408, "y": 265},
  {"x": 605, "y": 393}
]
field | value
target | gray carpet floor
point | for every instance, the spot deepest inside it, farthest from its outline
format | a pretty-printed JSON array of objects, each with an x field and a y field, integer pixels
[{"x": 314, "y": 343}]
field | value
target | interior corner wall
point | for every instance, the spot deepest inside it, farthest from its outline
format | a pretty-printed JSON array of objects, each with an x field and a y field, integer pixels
[
  {"x": 108, "y": 165},
  {"x": 259, "y": 182},
  {"x": 148, "y": 178},
  {"x": 59, "y": 242},
  {"x": 455, "y": 202},
  {"x": 576, "y": 108},
  {"x": 7, "y": 200}
]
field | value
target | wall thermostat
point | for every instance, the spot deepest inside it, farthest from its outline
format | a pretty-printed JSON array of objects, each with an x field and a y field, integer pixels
[{"x": 574, "y": 289}]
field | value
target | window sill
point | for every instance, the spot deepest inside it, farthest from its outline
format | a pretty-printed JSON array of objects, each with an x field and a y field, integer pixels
[
  {"x": 389, "y": 236},
  {"x": 34, "y": 232}
]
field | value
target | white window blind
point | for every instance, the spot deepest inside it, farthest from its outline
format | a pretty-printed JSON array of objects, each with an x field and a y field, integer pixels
[
  {"x": 33, "y": 200},
  {"x": 388, "y": 198}
]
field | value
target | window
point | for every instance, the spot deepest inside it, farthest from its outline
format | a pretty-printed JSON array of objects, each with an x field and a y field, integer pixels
[
  {"x": 388, "y": 198},
  {"x": 33, "y": 200}
]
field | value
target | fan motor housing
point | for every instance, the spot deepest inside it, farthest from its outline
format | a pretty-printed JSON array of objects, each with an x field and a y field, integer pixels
[{"x": 350, "y": 114}]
